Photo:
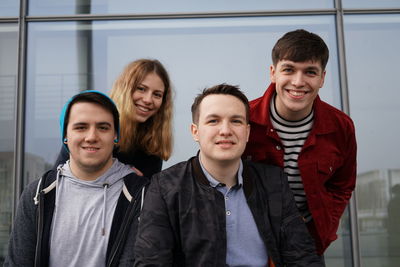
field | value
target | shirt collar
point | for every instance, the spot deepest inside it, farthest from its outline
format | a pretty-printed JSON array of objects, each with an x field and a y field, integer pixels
[{"x": 215, "y": 183}]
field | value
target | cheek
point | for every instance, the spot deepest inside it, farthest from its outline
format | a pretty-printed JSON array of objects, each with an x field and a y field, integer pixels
[{"x": 157, "y": 104}]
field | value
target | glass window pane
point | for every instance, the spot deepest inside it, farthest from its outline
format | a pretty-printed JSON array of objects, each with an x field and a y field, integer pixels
[
  {"x": 371, "y": 4},
  {"x": 370, "y": 44},
  {"x": 49, "y": 7},
  {"x": 8, "y": 87},
  {"x": 65, "y": 57},
  {"x": 9, "y": 8}
]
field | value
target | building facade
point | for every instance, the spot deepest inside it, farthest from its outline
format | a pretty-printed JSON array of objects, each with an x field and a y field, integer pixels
[{"x": 50, "y": 50}]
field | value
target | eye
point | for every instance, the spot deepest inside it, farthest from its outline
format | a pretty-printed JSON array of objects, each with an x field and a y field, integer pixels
[
  {"x": 104, "y": 128},
  {"x": 237, "y": 121},
  {"x": 287, "y": 70},
  {"x": 79, "y": 128},
  {"x": 212, "y": 121},
  {"x": 311, "y": 72},
  {"x": 140, "y": 88},
  {"x": 158, "y": 94}
]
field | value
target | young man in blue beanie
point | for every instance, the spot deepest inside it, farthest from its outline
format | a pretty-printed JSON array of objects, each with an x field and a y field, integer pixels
[{"x": 86, "y": 212}]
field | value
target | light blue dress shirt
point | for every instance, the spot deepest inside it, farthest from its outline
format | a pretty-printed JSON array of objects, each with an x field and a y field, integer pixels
[{"x": 244, "y": 244}]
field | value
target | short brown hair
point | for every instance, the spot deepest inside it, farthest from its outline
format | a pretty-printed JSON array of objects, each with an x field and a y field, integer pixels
[
  {"x": 221, "y": 89},
  {"x": 300, "y": 46}
]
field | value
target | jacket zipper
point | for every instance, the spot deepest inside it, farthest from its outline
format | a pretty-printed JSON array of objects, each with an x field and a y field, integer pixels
[{"x": 39, "y": 231}]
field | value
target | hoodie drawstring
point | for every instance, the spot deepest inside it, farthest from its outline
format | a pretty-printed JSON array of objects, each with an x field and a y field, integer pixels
[{"x": 103, "y": 226}]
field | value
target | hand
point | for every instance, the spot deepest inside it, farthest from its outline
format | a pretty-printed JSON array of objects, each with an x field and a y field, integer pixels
[{"x": 137, "y": 171}]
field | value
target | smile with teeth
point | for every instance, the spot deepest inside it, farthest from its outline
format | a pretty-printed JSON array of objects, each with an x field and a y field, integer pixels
[
  {"x": 296, "y": 93},
  {"x": 143, "y": 109},
  {"x": 91, "y": 148},
  {"x": 224, "y": 142}
]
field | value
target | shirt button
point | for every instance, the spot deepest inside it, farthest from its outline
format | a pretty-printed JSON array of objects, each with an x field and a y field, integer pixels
[
  {"x": 226, "y": 198},
  {"x": 278, "y": 148},
  {"x": 271, "y": 130},
  {"x": 330, "y": 168},
  {"x": 228, "y": 212}
]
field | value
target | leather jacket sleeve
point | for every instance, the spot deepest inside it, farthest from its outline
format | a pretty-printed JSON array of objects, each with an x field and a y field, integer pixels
[{"x": 155, "y": 240}]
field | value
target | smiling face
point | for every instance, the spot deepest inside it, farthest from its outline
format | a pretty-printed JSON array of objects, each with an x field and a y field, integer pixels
[
  {"x": 297, "y": 85},
  {"x": 148, "y": 97},
  {"x": 221, "y": 130},
  {"x": 90, "y": 135}
]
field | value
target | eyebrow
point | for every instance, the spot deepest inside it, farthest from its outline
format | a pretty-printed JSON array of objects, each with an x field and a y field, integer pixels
[
  {"x": 315, "y": 68},
  {"x": 287, "y": 65},
  {"x": 236, "y": 116},
  {"x": 97, "y": 123}
]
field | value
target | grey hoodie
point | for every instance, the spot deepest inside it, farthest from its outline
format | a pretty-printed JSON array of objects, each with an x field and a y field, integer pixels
[{"x": 83, "y": 216}]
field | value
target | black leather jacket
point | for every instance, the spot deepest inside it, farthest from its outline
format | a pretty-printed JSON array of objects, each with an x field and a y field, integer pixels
[{"x": 183, "y": 219}]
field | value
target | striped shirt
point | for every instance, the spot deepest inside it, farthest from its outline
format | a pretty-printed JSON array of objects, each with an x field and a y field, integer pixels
[{"x": 293, "y": 135}]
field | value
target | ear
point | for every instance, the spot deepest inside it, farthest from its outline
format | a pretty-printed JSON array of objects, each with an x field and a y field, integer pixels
[
  {"x": 323, "y": 79},
  {"x": 195, "y": 132},
  {"x": 272, "y": 71},
  {"x": 248, "y": 133}
]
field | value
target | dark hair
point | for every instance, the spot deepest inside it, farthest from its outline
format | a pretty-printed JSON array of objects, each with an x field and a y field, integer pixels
[
  {"x": 221, "y": 89},
  {"x": 94, "y": 97},
  {"x": 300, "y": 46}
]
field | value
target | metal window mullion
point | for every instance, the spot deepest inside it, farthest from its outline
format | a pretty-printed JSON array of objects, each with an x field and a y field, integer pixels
[
  {"x": 20, "y": 108},
  {"x": 354, "y": 233}
]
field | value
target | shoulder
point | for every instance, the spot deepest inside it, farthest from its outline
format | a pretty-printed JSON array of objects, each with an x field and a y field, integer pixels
[
  {"x": 332, "y": 112},
  {"x": 134, "y": 183},
  {"x": 330, "y": 116},
  {"x": 175, "y": 172},
  {"x": 266, "y": 173},
  {"x": 173, "y": 179}
]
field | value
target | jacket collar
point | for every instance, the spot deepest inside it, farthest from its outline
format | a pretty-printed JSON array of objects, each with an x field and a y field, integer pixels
[
  {"x": 260, "y": 113},
  {"x": 202, "y": 179}
]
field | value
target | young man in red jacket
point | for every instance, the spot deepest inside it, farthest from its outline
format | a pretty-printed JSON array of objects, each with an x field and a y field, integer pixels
[{"x": 314, "y": 142}]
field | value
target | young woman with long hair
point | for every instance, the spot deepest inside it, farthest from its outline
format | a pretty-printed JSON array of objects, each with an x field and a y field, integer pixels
[{"x": 143, "y": 96}]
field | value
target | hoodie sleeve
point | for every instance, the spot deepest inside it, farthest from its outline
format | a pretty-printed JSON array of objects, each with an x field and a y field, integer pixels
[{"x": 22, "y": 244}]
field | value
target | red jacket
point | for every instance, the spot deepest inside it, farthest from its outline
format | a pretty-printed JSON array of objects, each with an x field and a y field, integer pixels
[{"x": 327, "y": 161}]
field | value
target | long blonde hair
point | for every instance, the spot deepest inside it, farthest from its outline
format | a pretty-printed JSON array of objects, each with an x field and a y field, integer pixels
[{"x": 154, "y": 136}]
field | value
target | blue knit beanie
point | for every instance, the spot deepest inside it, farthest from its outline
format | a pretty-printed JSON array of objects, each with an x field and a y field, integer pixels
[{"x": 67, "y": 106}]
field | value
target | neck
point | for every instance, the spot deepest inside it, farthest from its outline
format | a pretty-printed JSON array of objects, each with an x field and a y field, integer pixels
[
  {"x": 89, "y": 173},
  {"x": 223, "y": 171}
]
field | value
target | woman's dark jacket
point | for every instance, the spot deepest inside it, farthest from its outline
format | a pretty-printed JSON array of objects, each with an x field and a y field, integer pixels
[
  {"x": 147, "y": 164},
  {"x": 183, "y": 219}
]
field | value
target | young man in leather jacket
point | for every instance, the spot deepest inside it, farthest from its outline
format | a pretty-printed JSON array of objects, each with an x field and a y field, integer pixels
[{"x": 217, "y": 210}]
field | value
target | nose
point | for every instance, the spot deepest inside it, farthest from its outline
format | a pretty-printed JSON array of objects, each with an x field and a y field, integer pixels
[
  {"x": 225, "y": 129},
  {"x": 147, "y": 98},
  {"x": 298, "y": 80},
  {"x": 91, "y": 135}
]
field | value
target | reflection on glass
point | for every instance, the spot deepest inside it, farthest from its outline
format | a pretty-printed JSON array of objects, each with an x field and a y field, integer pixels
[
  {"x": 8, "y": 86},
  {"x": 65, "y": 7},
  {"x": 371, "y": 4},
  {"x": 9, "y": 8},
  {"x": 65, "y": 57},
  {"x": 372, "y": 61}
]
